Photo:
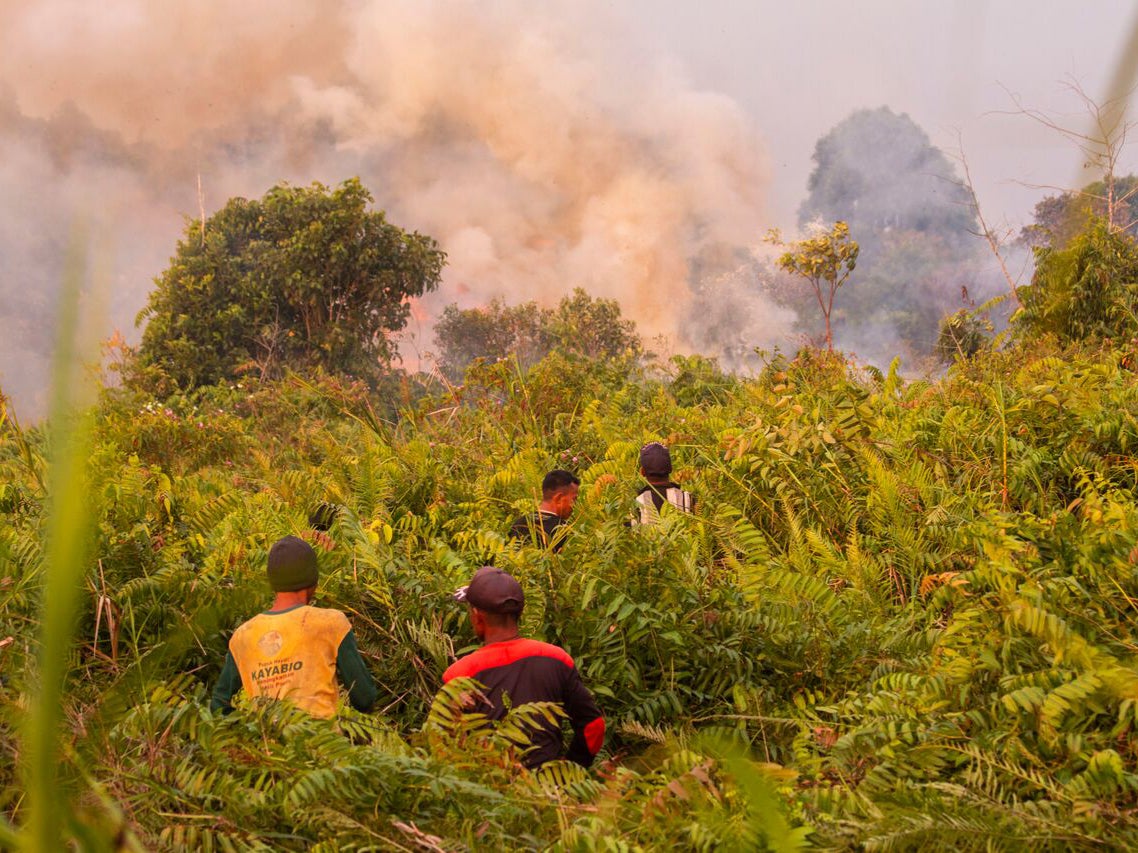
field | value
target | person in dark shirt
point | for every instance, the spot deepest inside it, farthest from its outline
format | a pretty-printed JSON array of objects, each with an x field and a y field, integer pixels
[
  {"x": 558, "y": 494},
  {"x": 515, "y": 671},
  {"x": 656, "y": 468}
]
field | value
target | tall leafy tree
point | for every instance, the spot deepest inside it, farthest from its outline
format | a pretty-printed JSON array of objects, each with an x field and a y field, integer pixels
[{"x": 305, "y": 277}]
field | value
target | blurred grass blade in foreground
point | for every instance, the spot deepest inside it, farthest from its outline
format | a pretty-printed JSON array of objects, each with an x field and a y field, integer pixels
[{"x": 68, "y": 541}]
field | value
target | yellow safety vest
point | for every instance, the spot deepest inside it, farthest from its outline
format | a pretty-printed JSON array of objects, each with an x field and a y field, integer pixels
[{"x": 292, "y": 655}]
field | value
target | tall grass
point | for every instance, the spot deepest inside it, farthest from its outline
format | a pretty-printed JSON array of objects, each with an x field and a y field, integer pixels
[{"x": 67, "y": 548}]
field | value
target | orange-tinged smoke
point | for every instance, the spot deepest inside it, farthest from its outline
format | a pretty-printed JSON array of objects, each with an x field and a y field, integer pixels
[{"x": 545, "y": 148}]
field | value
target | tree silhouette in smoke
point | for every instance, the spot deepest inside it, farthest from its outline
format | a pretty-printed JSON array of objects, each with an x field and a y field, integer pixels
[{"x": 878, "y": 171}]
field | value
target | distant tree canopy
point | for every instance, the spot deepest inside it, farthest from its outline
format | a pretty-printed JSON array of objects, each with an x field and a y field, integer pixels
[
  {"x": 493, "y": 331},
  {"x": 305, "y": 277},
  {"x": 1060, "y": 218},
  {"x": 580, "y": 324},
  {"x": 877, "y": 170}
]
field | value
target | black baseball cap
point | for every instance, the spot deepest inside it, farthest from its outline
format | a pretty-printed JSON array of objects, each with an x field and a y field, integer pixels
[
  {"x": 493, "y": 590},
  {"x": 655, "y": 460}
]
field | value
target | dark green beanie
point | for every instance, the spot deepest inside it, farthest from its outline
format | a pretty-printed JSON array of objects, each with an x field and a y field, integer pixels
[{"x": 292, "y": 565}]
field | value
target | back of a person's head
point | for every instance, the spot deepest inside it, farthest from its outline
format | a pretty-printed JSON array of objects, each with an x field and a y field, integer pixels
[
  {"x": 655, "y": 461},
  {"x": 557, "y": 481},
  {"x": 292, "y": 565},
  {"x": 493, "y": 590}
]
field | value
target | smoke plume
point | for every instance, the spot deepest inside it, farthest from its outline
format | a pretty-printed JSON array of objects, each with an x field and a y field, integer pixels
[{"x": 544, "y": 149}]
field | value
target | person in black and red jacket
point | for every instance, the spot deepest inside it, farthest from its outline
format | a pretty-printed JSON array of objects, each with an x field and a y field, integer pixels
[{"x": 515, "y": 671}]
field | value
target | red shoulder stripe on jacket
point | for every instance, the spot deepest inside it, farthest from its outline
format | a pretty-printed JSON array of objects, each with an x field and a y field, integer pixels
[{"x": 502, "y": 654}]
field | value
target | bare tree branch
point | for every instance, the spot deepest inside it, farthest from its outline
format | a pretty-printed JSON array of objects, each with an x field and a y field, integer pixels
[
  {"x": 985, "y": 230},
  {"x": 1101, "y": 146}
]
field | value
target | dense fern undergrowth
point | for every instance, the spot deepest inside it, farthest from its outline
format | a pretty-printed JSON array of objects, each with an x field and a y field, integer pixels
[{"x": 902, "y": 617}]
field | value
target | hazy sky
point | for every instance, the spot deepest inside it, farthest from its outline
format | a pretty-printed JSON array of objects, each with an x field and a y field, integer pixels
[
  {"x": 633, "y": 148},
  {"x": 801, "y": 67}
]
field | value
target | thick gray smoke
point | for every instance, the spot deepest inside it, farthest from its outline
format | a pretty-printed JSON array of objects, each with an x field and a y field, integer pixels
[{"x": 544, "y": 150}]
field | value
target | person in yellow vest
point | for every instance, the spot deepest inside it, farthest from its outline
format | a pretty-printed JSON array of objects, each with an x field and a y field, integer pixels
[{"x": 293, "y": 650}]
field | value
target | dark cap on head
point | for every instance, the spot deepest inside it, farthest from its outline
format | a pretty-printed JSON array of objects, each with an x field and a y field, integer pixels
[
  {"x": 655, "y": 460},
  {"x": 292, "y": 565},
  {"x": 494, "y": 591}
]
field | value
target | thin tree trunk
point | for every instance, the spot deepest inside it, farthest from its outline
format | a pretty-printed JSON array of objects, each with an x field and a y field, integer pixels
[
  {"x": 829, "y": 311},
  {"x": 825, "y": 313}
]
